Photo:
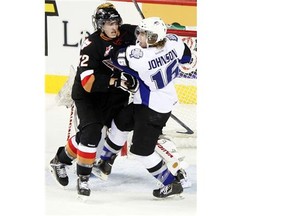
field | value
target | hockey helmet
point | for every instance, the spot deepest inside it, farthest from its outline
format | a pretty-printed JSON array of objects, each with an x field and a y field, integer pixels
[
  {"x": 105, "y": 12},
  {"x": 154, "y": 28}
]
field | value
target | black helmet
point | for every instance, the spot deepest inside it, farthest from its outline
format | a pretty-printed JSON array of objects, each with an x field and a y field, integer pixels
[{"x": 105, "y": 12}]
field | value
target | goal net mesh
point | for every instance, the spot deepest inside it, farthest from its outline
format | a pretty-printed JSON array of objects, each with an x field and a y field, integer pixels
[{"x": 186, "y": 87}]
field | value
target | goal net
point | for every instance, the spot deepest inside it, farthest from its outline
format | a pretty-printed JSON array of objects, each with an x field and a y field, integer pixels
[{"x": 182, "y": 124}]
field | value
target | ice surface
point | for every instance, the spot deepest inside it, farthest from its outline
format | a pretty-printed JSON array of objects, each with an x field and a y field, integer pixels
[{"x": 128, "y": 191}]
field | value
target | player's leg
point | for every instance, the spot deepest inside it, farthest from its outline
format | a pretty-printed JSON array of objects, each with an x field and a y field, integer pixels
[
  {"x": 115, "y": 140},
  {"x": 90, "y": 132},
  {"x": 64, "y": 157},
  {"x": 166, "y": 148},
  {"x": 148, "y": 127}
]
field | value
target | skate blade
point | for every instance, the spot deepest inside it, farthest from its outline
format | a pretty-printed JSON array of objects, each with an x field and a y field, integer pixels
[
  {"x": 82, "y": 198},
  {"x": 172, "y": 197},
  {"x": 96, "y": 172}
]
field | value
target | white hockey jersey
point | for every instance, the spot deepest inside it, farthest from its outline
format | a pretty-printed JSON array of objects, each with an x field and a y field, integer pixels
[{"x": 155, "y": 69}]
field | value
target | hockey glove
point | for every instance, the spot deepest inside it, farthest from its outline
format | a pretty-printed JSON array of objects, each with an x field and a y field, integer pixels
[{"x": 126, "y": 82}]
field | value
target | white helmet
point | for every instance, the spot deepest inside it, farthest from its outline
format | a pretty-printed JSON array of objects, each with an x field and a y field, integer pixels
[{"x": 155, "y": 29}]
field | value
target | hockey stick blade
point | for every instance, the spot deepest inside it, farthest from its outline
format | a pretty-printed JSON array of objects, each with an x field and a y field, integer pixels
[{"x": 188, "y": 130}]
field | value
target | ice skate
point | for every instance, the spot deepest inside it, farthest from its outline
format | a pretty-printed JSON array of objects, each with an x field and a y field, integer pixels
[
  {"x": 59, "y": 171},
  {"x": 175, "y": 188},
  {"x": 103, "y": 168},
  {"x": 82, "y": 185},
  {"x": 183, "y": 178}
]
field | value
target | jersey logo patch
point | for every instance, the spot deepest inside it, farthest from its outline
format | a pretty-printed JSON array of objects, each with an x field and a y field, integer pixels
[
  {"x": 136, "y": 53},
  {"x": 172, "y": 37},
  {"x": 108, "y": 50}
]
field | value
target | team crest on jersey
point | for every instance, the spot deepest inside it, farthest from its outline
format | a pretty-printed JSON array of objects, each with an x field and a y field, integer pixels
[
  {"x": 136, "y": 53},
  {"x": 172, "y": 37},
  {"x": 108, "y": 49}
]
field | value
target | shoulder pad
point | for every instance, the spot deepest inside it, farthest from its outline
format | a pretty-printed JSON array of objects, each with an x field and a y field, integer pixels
[{"x": 86, "y": 43}]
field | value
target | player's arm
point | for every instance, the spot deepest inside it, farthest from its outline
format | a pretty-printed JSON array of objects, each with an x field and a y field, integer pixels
[
  {"x": 87, "y": 81},
  {"x": 120, "y": 61},
  {"x": 187, "y": 55},
  {"x": 90, "y": 66},
  {"x": 124, "y": 77},
  {"x": 94, "y": 83},
  {"x": 92, "y": 79},
  {"x": 182, "y": 49}
]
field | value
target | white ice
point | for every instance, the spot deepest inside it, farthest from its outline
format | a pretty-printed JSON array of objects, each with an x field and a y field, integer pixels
[{"x": 128, "y": 190}]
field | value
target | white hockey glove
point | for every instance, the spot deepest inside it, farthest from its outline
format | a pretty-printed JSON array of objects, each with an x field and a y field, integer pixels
[{"x": 126, "y": 82}]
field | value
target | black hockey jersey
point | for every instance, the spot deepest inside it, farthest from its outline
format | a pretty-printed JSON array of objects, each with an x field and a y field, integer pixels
[{"x": 94, "y": 50}]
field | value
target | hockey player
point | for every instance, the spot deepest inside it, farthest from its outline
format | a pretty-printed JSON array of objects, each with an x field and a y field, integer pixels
[
  {"x": 96, "y": 94},
  {"x": 155, "y": 61}
]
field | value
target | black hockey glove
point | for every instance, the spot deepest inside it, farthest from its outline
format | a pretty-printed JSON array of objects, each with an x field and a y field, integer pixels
[{"x": 126, "y": 82}]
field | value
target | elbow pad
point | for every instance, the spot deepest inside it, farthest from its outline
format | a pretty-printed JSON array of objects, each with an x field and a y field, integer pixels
[
  {"x": 187, "y": 55},
  {"x": 101, "y": 83}
]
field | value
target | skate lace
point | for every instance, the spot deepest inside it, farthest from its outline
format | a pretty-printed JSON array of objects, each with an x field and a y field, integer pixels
[
  {"x": 61, "y": 171},
  {"x": 84, "y": 185},
  {"x": 166, "y": 189}
]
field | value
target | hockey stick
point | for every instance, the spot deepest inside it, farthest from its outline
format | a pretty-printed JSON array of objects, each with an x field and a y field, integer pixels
[
  {"x": 188, "y": 130},
  {"x": 138, "y": 9},
  {"x": 73, "y": 120},
  {"x": 110, "y": 65},
  {"x": 70, "y": 121}
]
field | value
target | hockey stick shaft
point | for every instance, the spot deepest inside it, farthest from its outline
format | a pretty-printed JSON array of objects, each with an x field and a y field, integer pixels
[
  {"x": 188, "y": 130},
  {"x": 110, "y": 65},
  {"x": 70, "y": 122},
  {"x": 138, "y": 9}
]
